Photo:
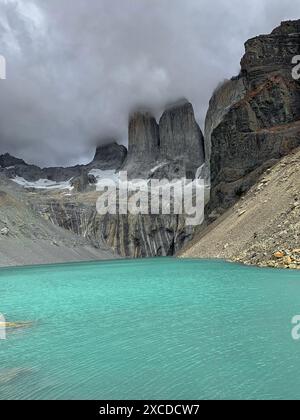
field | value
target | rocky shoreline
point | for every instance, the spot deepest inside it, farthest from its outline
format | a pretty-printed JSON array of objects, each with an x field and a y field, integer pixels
[{"x": 262, "y": 229}]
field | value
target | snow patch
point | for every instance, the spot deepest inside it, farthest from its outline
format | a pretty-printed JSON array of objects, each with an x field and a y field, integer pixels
[
  {"x": 43, "y": 184},
  {"x": 161, "y": 165}
]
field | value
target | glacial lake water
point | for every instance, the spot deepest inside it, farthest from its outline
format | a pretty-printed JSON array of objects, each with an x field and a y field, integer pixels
[{"x": 150, "y": 329}]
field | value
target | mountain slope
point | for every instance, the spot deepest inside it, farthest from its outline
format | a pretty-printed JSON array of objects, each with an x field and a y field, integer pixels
[
  {"x": 263, "y": 228},
  {"x": 26, "y": 238},
  {"x": 67, "y": 197}
]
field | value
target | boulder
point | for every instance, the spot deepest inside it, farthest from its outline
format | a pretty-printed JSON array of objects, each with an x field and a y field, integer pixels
[{"x": 4, "y": 231}]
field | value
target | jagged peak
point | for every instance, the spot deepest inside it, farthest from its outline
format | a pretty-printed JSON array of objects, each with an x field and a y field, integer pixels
[
  {"x": 180, "y": 103},
  {"x": 109, "y": 150},
  {"x": 142, "y": 114},
  {"x": 7, "y": 160},
  {"x": 287, "y": 27}
]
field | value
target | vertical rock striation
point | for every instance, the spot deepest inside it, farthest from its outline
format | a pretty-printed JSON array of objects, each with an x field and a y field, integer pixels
[
  {"x": 181, "y": 137},
  {"x": 254, "y": 120},
  {"x": 174, "y": 148},
  {"x": 110, "y": 156},
  {"x": 143, "y": 144},
  {"x": 128, "y": 235}
]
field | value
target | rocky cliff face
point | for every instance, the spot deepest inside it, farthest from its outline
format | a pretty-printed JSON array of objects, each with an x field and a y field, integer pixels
[
  {"x": 172, "y": 149},
  {"x": 108, "y": 157},
  {"x": 143, "y": 145},
  {"x": 224, "y": 97},
  {"x": 27, "y": 238},
  {"x": 254, "y": 119},
  {"x": 127, "y": 235},
  {"x": 181, "y": 137},
  {"x": 7, "y": 160}
]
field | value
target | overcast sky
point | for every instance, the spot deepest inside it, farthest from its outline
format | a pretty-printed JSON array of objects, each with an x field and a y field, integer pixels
[{"x": 76, "y": 68}]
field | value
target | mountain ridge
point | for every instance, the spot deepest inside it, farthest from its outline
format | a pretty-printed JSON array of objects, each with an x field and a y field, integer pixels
[{"x": 253, "y": 122}]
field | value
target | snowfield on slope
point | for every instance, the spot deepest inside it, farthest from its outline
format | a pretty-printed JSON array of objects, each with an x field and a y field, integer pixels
[{"x": 43, "y": 184}]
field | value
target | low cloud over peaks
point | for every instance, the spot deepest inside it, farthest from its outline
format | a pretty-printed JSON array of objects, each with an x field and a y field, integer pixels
[{"x": 75, "y": 69}]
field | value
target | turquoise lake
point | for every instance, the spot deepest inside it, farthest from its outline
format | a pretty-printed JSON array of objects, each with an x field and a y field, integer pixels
[{"x": 150, "y": 329}]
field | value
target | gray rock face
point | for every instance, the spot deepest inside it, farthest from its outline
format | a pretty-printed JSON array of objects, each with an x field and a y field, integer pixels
[
  {"x": 254, "y": 120},
  {"x": 129, "y": 235},
  {"x": 145, "y": 236},
  {"x": 224, "y": 97},
  {"x": 271, "y": 55},
  {"x": 34, "y": 173},
  {"x": 27, "y": 238},
  {"x": 143, "y": 137},
  {"x": 29, "y": 172},
  {"x": 170, "y": 169},
  {"x": 107, "y": 157},
  {"x": 110, "y": 156},
  {"x": 7, "y": 160},
  {"x": 176, "y": 139},
  {"x": 143, "y": 144},
  {"x": 180, "y": 136}
]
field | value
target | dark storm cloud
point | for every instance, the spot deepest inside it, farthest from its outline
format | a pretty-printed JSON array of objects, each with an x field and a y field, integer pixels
[{"x": 76, "y": 68}]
